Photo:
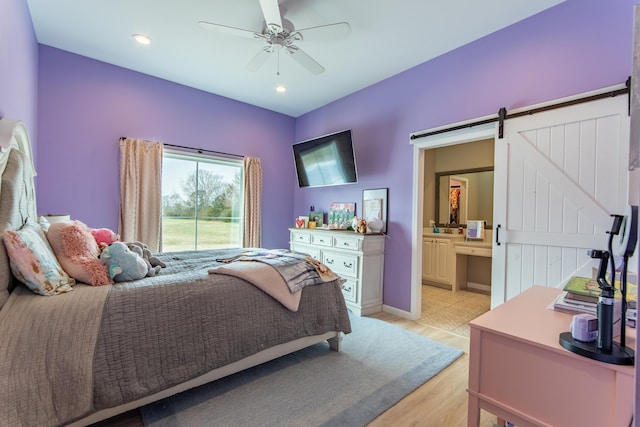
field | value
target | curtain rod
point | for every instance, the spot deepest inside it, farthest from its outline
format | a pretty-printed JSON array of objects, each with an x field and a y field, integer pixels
[
  {"x": 199, "y": 150},
  {"x": 203, "y": 150},
  {"x": 502, "y": 115}
]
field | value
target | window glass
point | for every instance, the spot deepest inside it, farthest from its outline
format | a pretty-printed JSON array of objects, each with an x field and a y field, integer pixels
[{"x": 201, "y": 202}]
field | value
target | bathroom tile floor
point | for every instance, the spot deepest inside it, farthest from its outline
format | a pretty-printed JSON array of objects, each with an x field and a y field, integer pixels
[{"x": 452, "y": 311}]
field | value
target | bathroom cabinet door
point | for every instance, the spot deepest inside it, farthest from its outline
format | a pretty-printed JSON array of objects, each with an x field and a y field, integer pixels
[
  {"x": 442, "y": 260},
  {"x": 437, "y": 260},
  {"x": 427, "y": 259}
]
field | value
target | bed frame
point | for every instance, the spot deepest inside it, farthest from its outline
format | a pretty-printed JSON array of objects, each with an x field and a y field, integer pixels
[
  {"x": 334, "y": 339},
  {"x": 14, "y": 136}
]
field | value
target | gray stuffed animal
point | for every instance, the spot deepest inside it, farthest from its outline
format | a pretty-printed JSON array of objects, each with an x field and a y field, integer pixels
[
  {"x": 145, "y": 254},
  {"x": 123, "y": 264}
]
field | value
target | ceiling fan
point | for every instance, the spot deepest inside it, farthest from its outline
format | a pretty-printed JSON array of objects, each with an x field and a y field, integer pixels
[{"x": 280, "y": 35}]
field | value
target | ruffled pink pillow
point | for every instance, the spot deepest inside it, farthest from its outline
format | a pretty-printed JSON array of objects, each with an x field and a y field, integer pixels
[{"x": 77, "y": 252}]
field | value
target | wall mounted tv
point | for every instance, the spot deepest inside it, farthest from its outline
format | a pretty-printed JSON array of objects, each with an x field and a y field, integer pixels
[{"x": 326, "y": 160}]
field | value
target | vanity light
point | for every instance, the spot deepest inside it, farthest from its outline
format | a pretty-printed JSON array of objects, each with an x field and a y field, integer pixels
[
  {"x": 281, "y": 89},
  {"x": 142, "y": 39}
]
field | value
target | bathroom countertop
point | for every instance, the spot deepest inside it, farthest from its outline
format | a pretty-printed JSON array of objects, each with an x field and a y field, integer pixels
[
  {"x": 478, "y": 244},
  {"x": 453, "y": 236}
]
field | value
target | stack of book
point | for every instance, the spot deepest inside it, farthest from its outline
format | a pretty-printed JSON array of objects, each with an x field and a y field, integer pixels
[{"x": 580, "y": 295}]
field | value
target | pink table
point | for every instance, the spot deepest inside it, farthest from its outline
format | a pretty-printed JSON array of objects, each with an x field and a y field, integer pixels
[{"x": 519, "y": 372}]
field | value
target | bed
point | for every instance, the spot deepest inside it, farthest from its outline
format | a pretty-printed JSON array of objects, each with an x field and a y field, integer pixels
[{"x": 87, "y": 355}]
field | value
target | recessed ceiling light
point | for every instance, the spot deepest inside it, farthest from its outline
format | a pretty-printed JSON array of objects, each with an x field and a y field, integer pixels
[
  {"x": 281, "y": 89},
  {"x": 141, "y": 38}
]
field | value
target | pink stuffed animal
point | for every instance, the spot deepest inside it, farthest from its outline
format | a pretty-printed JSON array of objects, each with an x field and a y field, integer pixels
[{"x": 104, "y": 236}]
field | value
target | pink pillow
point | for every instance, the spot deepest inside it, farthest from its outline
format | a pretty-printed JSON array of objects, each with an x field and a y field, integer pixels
[{"x": 77, "y": 251}]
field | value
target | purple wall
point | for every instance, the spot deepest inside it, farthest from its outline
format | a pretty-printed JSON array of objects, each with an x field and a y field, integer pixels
[
  {"x": 18, "y": 65},
  {"x": 85, "y": 106},
  {"x": 578, "y": 46}
]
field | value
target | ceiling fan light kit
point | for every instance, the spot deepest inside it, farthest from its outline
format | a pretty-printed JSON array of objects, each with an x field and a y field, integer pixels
[{"x": 280, "y": 34}]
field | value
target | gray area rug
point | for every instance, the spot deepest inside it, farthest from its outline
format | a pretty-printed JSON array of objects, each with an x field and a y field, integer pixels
[{"x": 379, "y": 365}]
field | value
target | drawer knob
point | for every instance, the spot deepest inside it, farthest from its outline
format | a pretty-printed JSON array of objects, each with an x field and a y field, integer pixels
[
  {"x": 348, "y": 265},
  {"x": 346, "y": 243},
  {"x": 346, "y": 288},
  {"x": 329, "y": 261}
]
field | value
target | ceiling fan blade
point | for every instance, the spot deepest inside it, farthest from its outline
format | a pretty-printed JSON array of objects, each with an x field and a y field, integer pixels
[
  {"x": 327, "y": 32},
  {"x": 260, "y": 58},
  {"x": 232, "y": 31},
  {"x": 305, "y": 60},
  {"x": 271, "y": 12}
]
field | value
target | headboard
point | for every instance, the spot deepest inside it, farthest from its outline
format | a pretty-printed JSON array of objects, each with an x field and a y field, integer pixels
[{"x": 17, "y": 190}]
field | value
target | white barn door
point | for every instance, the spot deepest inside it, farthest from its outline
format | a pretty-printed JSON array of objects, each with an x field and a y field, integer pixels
[{"x": 564, "y": 172}]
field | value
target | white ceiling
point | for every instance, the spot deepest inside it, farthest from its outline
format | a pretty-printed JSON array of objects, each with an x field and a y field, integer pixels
[{"x": 387, "y": 37}]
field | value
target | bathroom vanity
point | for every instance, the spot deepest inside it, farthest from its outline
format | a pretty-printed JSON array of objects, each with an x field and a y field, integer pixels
[
  {"x": 473, "y": 265},
  {"x": 438, "y": 258},
  {"x": 448, "y": 257}
]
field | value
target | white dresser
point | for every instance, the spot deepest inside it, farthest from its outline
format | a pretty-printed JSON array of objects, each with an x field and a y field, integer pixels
[{"x": 358, "y": 258}]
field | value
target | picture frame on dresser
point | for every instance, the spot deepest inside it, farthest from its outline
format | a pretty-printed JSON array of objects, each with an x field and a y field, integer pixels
[
  {"x": 341, "y": 215},
  {"x": 318, "y": 217},
  {"x": 374, "y": 205}
]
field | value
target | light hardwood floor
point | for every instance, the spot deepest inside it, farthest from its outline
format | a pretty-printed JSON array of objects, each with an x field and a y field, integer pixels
[{"x": 441, "y": 401}]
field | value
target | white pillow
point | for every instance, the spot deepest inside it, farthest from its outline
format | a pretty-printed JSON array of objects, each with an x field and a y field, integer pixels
[{"x": 33, "y": 262}]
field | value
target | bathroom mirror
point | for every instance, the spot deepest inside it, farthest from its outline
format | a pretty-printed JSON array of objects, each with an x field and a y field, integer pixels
[{"x": 464, "y": 194}]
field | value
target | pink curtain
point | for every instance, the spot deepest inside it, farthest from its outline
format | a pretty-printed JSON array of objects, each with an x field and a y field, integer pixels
[
  {"x": 252, "y": 234},
  {"x": 141, "y": 192}
]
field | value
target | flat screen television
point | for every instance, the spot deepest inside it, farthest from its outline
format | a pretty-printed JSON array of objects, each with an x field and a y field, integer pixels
[{"x": 326, "y": 160}]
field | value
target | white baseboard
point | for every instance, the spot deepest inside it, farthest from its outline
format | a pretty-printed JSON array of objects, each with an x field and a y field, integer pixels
[
  {"x": 479, "y": 286},
  {"x": 398, "y": 312}
]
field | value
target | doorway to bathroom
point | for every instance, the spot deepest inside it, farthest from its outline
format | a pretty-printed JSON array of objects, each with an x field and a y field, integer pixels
[
  {"x": 458, "y": 188},
  {"x": 561, "y": 170}
]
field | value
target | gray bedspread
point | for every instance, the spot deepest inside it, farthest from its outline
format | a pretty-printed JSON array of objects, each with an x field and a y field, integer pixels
[
  {"x": 161, "y": 331},
  {"x": 47, "y": 346}
]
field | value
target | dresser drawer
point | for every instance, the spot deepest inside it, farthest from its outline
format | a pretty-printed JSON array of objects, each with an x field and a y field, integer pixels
[
  {"x": 300, "y": 237},
  {"x": 345, "y": 242},
  {"x": 349, "y": 289},
  {"x": 321, "y": 239},
  {"x": 473, "y": 250},
  {"x": 341, "y": 263},
  {"x": 306, "y": 249}
]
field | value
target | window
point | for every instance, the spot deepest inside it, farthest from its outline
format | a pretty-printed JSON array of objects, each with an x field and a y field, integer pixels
[{"x": 202, "y": 200}]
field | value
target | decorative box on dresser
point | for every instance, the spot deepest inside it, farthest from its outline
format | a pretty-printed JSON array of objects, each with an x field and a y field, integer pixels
[{"x": 357, "y": 258}]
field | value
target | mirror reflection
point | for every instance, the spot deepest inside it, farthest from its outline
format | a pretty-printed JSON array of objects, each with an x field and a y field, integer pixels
[{"x": 464, "y": 195}]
